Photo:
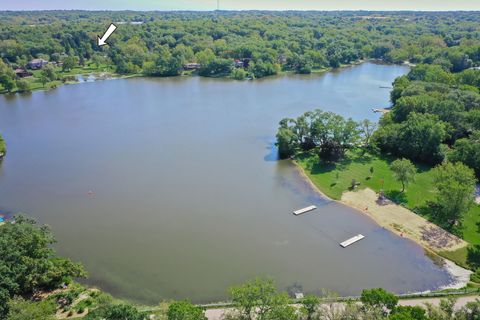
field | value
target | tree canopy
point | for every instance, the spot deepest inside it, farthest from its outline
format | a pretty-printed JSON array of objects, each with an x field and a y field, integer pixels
[{"x": 28, "y": 261}]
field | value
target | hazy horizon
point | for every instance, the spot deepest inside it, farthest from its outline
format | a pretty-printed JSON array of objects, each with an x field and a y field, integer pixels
[{"x": 246, "y": 5}]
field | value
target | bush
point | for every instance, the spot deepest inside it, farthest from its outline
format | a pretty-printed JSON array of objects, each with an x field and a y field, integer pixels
[
  {"x": 184, "y": 310},
  {"x": 23, "y": 86},
  {"x": 239, "y": 74}
]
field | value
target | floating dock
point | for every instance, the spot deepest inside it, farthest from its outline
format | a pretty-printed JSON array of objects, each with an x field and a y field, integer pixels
[
  {"x": 304, "y": 210},
  {"x": 350, "y": 241}
]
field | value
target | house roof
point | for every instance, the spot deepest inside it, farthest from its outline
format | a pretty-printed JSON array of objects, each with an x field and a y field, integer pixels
[{"x": 38, "y": 61}]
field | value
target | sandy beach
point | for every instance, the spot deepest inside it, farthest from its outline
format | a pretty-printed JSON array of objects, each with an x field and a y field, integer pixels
[{"x": 404, "y": 223}]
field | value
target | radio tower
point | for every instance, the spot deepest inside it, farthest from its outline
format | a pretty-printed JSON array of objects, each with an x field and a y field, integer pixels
[{"x": 218, "y": 5}]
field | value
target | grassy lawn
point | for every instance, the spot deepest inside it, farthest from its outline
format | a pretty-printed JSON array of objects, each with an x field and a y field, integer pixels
[
  {"x": 334, "y": 179},
  {"x": 35, "y": 83}
]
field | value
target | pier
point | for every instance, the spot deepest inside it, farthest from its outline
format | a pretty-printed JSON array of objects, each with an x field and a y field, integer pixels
[
  {"x": 351, "y": 241},
  {"x": 304, "y": 210}
]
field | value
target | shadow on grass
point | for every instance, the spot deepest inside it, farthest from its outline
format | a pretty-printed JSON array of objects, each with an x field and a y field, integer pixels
[
  {"x": 396, "y": 196},
  {"x": 319, "y": 166},
  {"x": 473, "y": 256},
  {"x": 428, "y": 212}
]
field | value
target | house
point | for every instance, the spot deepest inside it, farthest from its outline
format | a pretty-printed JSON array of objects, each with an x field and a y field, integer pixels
[
  {"x": 22, "y": 73},
  {"x": 239, "y": 64},
  {"x": 36, "y": 64},
  {"x": 192, "y": 66},
  {"x": 242, "y": 63},
  {"x": 282, "y": 59}
]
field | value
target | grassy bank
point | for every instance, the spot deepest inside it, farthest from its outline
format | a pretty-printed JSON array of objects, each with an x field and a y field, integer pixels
[
  {"x": 3, "y": 146},
  {"x": 334, "y": 179},
  {"x": 35, "y": 83}
]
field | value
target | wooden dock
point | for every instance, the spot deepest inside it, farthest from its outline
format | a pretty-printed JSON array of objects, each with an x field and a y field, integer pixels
[
  {"x": 304, "y": 210},
  {"x": 351, "y": 241}
]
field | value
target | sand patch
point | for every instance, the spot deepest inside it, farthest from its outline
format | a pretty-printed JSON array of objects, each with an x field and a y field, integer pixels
[{"x": 402, "y": 221}]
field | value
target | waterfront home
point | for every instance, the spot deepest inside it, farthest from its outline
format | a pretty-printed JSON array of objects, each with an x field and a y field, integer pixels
[
  {"x": 191, "y": 66},
  {"x": 36, "y": 64},
  {"x": 22, "y": 73},
  {"x": 239, "y": 64}
]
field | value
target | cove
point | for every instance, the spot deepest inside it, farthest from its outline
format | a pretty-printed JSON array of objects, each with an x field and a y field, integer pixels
[{"x": 171, "y": 189}]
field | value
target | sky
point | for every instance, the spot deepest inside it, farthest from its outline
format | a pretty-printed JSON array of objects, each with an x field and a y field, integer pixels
[{"x": 430, "y": 5}]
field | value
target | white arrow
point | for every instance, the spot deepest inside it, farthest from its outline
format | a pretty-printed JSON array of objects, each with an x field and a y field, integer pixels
[{"x": 102, "y": 41}]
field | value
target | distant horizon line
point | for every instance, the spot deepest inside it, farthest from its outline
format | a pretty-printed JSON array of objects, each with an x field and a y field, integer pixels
[{"x": 243, "y": 10}]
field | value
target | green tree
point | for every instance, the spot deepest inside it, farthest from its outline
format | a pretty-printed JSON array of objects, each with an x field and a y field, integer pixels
[
  {"x": 99, "y": 60},
  {"x": 184, "y": 310},
  {"x": 205, "y": 57},
  {"x": 418, "y": 138},
  {"x": 467, "y": 151},
  {"x": 69, "y": 63},
  {"x": 28, "y": 261},
  {"x": 23, "y": 85},
  {"x": 473, "y": 256},
  {"x": 43, "y": 79},
  {"x": 454, "y": 189},
  {"x": 408, "y": 313},
  {"x": 404, "y": 171},
  {"x": 116, "y": 312},
  {"x": 217, "y": 66},
  {"x": 20, "y": 309},
  {"x": 470, "y": 312},
  {"x": 7, "y": 77},
  {"x": 310, "y": 306},
  {"x": 239, "y": 74},
  {"x": 259, "y": 299},
  {"x": 378, "y": 299},
  {"x": 367, "y": 128},
  {"x": 7, "y": 82},
  {"x": 49, "y": 73},
  {"x": 286, "y": 143},
  {"x": 3, "y": 146}
]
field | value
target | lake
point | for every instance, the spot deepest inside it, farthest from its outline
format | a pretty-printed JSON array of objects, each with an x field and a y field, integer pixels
[{"x": 170, "y": 188}]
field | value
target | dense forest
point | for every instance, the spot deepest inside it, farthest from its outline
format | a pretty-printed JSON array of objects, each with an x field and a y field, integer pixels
[{"x": 236, "y": 44}]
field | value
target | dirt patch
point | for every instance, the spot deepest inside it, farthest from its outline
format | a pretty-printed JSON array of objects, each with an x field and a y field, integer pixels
[{"x": 438, "y": 238}]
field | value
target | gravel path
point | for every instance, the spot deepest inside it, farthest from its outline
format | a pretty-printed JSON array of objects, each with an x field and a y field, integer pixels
[{"x": 217, "y": 314}]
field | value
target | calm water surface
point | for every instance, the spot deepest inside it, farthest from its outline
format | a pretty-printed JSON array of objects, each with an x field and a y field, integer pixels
[{"x": 188, "y": 196}]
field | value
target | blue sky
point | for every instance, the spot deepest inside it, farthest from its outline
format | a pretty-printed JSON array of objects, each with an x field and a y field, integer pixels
[{"x": 241, "y": 4}]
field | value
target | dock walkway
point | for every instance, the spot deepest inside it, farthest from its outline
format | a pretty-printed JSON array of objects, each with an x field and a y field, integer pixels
[
  {"x": 304, "y": 210},
  {"x": 352, "y": 240}
]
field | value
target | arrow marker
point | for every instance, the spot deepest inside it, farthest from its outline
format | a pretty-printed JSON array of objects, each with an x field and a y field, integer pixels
[{"x": 102, "y": 41}]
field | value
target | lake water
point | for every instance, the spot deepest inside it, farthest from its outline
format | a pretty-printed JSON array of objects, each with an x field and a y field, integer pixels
[{"x": 170, "y": 188}]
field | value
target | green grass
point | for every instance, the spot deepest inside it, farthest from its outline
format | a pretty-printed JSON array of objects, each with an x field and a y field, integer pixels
[
  {"x": 35, "y": 83},
  {"x": 335, "y": 178},
  {"x": 458, "y": 256},
  {"x": 3, "y": 145}
]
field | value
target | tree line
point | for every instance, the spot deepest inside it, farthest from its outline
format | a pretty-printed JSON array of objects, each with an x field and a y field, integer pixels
[
  {"x": 435, "y": 117},
  {"x": 161, "y": 43}
]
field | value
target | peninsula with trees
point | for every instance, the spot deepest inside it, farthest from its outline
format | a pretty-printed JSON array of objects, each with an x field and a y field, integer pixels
[{"x": 415, "y": 172}]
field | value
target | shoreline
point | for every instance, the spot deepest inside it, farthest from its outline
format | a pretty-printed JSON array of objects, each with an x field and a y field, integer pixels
[
  {"x": 461, "y": 276},
  {"x": 116, "y": 76}
]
